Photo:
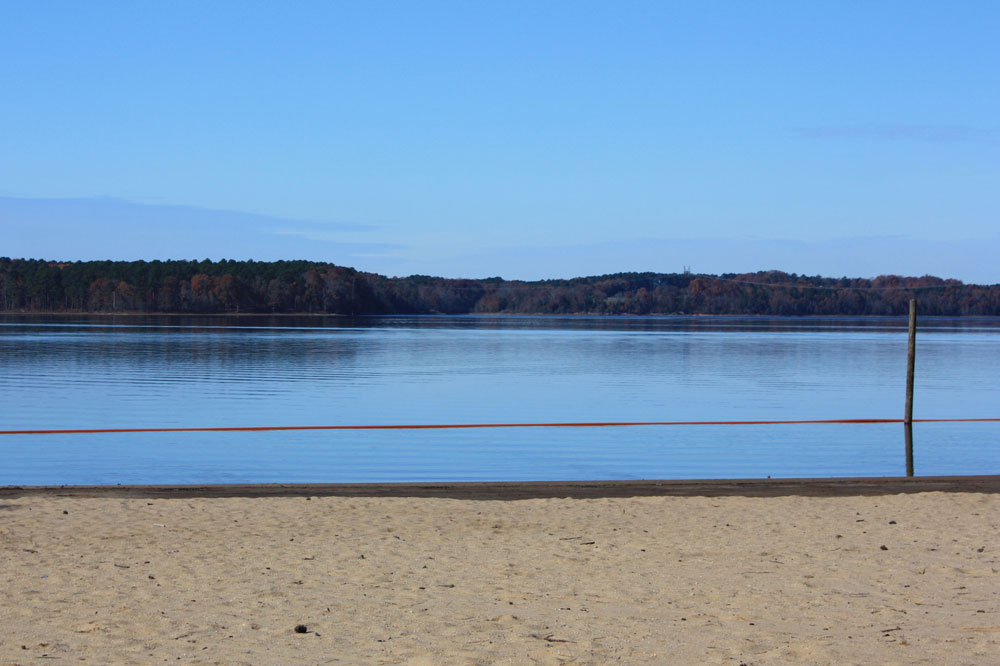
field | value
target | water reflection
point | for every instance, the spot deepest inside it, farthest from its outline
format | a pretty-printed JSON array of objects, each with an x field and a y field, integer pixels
[
  {"x": 78, "y": 372},
  {"x": 908, "y": 435},
  {"x": 675, "y": 323}
]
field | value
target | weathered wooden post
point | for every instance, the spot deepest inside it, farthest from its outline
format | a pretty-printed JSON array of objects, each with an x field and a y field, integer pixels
[
  {"x": 910, "y": 358},
  {"x": 911, "y": 355}
]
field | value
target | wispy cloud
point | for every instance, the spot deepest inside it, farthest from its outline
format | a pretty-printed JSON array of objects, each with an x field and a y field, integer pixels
[
  {"x": 924, "y": 133},
  {"x": 355, "y": 248},
  {"x": 107, "y": 228},
  {"x": 110, "y": 210}
]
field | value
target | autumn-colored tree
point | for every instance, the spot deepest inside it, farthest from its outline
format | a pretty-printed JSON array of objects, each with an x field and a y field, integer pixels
[{"x": 301, "y": 286}]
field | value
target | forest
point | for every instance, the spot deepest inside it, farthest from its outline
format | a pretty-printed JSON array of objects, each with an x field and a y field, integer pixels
[{"x": 228, "y": 286}]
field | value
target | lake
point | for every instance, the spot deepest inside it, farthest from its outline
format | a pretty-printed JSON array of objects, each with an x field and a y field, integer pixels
[{"x": 62, "y": 372}]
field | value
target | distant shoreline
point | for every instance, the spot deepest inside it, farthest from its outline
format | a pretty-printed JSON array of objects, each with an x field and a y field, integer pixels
[
  {"x": 308, "y": 287},
  {"x": 506, "y": 315}
]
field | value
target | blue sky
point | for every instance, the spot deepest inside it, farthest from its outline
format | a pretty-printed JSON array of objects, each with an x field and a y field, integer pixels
[{"x": 527, "y": 140}]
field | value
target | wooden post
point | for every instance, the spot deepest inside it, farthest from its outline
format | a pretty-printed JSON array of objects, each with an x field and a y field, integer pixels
[{"x": 910, "y": 358}]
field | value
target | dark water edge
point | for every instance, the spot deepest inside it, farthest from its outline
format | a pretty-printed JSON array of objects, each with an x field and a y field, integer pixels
[{"x": 513, "y": 490}]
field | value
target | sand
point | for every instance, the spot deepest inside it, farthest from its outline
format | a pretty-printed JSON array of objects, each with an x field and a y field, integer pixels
[{"x": 892, "y": 579}]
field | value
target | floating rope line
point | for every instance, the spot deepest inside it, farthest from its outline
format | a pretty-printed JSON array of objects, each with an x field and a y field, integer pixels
[{"x": 453, "y": 426}]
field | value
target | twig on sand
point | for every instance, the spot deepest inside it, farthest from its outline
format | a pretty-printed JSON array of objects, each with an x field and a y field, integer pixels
[{"x": 548, "y": 637}]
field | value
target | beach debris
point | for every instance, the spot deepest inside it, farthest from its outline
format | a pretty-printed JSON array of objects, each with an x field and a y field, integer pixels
[
  {"x": 549, "y": 638},
  {"x": 883, "y": 547},
  {"x": 301, "y": 629},
  {"x": 29, "y": 550},
  {"x": 892, "y": 522}
]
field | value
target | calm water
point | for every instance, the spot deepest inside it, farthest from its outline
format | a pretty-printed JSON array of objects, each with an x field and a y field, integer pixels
[{"x": 80, "y": 372}]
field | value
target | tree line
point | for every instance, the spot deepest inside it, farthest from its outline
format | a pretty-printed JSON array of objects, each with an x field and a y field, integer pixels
[{"x": 227, "y": 286}]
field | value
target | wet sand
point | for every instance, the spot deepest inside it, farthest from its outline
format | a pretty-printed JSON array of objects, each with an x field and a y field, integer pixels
[{"x": 195, "y": 575}]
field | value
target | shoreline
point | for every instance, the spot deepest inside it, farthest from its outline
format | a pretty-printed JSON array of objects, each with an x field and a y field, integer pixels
[
  {"x": 580, "y": 315},
  {"x": 518, "y": 490}
]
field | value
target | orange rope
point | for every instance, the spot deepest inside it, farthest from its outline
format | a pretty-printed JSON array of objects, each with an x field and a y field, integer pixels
[{"x": 79, "y": 431}]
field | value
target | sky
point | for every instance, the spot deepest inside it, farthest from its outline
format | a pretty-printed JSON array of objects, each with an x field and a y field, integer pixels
[{"x": 525, "y": 140}]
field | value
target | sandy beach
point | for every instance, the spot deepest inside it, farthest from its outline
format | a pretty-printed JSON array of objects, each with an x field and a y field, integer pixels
[{"x": 888, "y": 579}]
